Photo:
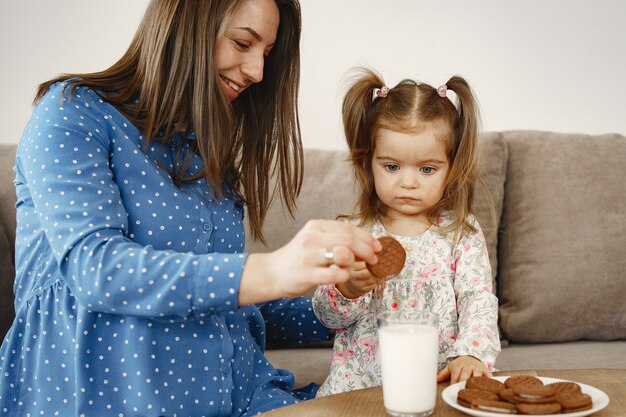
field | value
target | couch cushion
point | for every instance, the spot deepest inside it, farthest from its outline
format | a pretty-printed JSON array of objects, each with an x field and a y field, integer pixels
[
  {"x": 562, "y": 258},
  {"x": 7, "y": 236},
  {"x": 328, "y": 190},
  {"x": 494, "y": 155}
]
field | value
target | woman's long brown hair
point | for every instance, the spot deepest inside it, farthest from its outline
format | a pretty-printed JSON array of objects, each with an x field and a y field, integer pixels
[{"x": 167, "y": 79}]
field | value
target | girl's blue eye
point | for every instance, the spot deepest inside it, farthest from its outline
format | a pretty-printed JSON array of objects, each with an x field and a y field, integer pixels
[
  {"x": 392, "y": 167},
  {"x": 427, "y": 170}
]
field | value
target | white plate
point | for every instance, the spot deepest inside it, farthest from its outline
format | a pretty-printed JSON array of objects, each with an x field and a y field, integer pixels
[{"x": 599, "y": 398}]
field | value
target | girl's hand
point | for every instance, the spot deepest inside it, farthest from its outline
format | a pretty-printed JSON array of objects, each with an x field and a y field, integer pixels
[
  {"x": 461, "y": 368},
  {"x": 361, "y": 281},
  {"x": 322, "y": 252}
]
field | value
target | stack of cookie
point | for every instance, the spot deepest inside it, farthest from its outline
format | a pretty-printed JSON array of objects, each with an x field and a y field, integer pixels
[{"x": 523, "y": 394}]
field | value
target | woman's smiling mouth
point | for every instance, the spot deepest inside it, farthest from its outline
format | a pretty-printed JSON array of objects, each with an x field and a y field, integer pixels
[{"x": 231, "y": 88}]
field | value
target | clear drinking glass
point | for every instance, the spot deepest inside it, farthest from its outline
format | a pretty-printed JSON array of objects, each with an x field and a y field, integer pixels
[{"x": 408, "y": 346}]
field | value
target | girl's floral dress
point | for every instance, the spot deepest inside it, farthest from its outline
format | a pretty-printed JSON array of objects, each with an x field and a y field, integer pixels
[{"x": 442, "y": 273}]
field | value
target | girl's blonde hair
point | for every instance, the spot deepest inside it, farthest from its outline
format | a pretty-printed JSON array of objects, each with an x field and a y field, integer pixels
[
  {"x": 167, "y": 79},
  {"x": 407, "y": 106}
]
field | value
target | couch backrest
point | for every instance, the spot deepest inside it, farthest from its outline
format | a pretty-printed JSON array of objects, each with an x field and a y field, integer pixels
[{"x": 7, "y": 236}]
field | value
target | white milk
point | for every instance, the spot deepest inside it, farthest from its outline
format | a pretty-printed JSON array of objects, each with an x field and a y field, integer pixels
[{"x": 408, "y": 360}]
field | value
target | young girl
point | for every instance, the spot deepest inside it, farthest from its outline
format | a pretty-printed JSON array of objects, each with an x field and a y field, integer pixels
[{"x": 415, "y": 159}]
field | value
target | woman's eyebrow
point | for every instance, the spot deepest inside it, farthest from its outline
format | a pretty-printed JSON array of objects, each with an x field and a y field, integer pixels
[{"x": 253, "y": 33}]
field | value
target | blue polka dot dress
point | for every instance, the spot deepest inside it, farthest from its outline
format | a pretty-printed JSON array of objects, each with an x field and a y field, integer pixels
[{"x": 127, "y": 285}]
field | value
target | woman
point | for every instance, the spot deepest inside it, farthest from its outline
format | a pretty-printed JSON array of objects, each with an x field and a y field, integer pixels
[{"x": 132, "y": 294}]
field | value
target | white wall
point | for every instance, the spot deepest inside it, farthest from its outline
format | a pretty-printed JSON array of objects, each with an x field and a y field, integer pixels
[{"x": 535, "y": 64}]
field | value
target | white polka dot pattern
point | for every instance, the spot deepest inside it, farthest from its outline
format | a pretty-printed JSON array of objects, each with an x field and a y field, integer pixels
[{"x": 126, "y": 285}]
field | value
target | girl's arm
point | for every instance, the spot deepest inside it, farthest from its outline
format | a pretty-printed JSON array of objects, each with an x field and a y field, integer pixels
[
  {"x": 336, "y": 311},
  {"x": 477, "y": 306}
]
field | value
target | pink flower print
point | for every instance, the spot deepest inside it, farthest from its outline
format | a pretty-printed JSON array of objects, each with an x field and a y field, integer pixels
[
  {"x": 333, "y": 304},
  {"x": 340, "y": 358},
  {"x": 450, "y": 336},
  {"x": 332, "y": 292},
  {"x": 440, "y": 220},
  {"x": 475, "y": 329},
  {"x": 394, "y": 305},
  {"x": 476, "y": 343},
  {"x": 453, "y": 266},
  {"x": 412, "y": 303},
  {"x": 368, "y": 345},
  {"x": 346, "y": 376},
  {"x": 466, "y": 246},
  {"x": 429, "y": 270},
  {"x": 345, "y": 312}
]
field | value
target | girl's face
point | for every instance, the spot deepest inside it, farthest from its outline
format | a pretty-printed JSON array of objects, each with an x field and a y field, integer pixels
[
  {"x": 410, "y": 171},
  {"x": 241, "y": 50}
]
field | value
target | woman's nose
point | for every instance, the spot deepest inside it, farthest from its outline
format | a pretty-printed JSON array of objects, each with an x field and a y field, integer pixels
[{"x": 252, "y": 68}]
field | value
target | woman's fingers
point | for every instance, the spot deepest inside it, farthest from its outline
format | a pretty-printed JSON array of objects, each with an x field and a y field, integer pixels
[{"x": 336, "y": 236}]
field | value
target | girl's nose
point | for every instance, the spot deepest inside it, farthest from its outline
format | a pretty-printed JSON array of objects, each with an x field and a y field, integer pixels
[
  {"x": 252, "y": 69},
  {"x": 409, "y": 180}
]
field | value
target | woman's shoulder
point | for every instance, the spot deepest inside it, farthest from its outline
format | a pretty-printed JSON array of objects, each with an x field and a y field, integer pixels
[
  {"x": 67, "y": 90},
  {"x": 67, "y": 110}
]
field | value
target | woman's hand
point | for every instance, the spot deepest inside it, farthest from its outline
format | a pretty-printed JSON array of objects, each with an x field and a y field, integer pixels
[
  {"x": 322, "y": 252},
  {"x": 461, "y": 368}
]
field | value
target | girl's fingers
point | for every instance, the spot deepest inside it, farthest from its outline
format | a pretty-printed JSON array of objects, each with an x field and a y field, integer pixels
[{"x": 444, "y": 374}]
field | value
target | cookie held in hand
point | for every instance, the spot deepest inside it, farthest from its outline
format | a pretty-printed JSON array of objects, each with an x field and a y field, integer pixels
[{"x": 390, "y": 259}]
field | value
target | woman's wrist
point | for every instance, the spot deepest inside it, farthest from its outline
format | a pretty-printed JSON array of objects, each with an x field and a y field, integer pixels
[{"x": 256, "y": 284}]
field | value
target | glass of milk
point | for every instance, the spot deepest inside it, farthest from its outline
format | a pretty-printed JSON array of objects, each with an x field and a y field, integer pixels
[{"x": 408, "y": 347}]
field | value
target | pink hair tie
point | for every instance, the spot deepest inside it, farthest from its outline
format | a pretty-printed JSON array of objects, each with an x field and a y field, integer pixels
[
  {"x": 380, "y": 92},
  {"x": 442, "y": 90}
]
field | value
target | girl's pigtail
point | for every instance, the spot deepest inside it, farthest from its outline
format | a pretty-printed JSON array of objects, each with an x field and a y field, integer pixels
[
  {"x": 466, "y": 158},
  {"x": 359, "y": 114}
]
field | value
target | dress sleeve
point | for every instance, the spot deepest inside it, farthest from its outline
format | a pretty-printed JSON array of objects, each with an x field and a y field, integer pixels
[
  {"x": 291, "y": 322},
  {"x": 336, "y": 311},
  {"x": 64, "y": 171},
  {"x": 477, "y": 306}
]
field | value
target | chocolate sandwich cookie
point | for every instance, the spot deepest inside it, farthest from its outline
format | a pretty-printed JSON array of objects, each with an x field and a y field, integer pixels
[
  {"x": 484, "y": 383},
  {"x": 466, "y": 396},
  {"x": 522, "y": 379},
  {"x": 566, "y": 386},
  {"x": 574, "y": 401},
  {"x": 548, "y": 408},
  {"x": 508, "y": 395},
  {"x": 390, "y": 259},
  {"x": 494, "y": 406},
  {"x": 534, "y": 394}
]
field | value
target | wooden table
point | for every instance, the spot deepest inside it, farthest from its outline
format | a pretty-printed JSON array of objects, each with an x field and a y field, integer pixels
[{"x": 369, "y": 402}]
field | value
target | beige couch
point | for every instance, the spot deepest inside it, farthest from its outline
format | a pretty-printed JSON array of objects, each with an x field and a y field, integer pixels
[{"x": 558, "y": 252}]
